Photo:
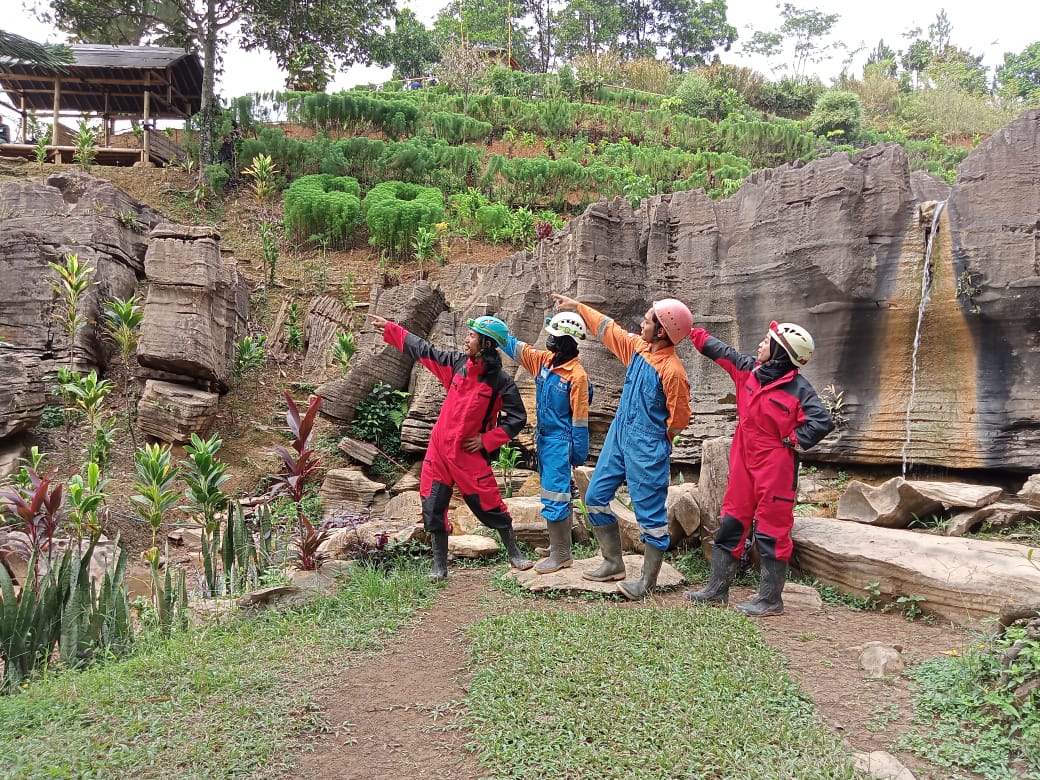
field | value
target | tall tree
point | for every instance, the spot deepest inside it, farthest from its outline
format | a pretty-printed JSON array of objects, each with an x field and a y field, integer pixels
[
  {"x": 1018, "y": 78},
  {"x": 543, "y": 32},
  {"x": 917, "y": 57},
  {"x": 342, "y": 28},
  {"x": 638, "y": 28},
  {"x": 409, "y": 47},
  {"x": 884, "y": 59},
  {"x": 152, "y": 22},
  {"x": 496, "y": 23},
  {"x": 586, "y": 27},
  {"x": 690, "y": 31},
  {"x": 806, "y": 29}
]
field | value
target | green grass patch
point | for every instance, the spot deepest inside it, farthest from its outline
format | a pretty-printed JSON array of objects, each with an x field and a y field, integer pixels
[
  {"x": 640, "y": 693},
  {"x": 966, "y": 721},
  {"x": 216, "y": 702}
]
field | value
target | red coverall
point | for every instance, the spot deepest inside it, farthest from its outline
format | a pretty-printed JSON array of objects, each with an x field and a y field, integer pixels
[
  {"x": 476, "y": 403},
  {"x": 763, "y": 462}
]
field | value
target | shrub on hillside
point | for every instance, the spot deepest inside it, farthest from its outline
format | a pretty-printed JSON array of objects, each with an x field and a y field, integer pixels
[
  {"x": 323, "y": 205},
  {"x": 457, "y": 128},
  {"x": 395, "y": 210},
  {"x": 746, "y": 82},
  {"x": 837, "y": 111},
  {"x": 700, "y": 98},
  {"x": 790, "y": 97}
]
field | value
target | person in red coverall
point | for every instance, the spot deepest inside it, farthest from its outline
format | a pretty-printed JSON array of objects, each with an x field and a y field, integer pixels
[
  {"x": 779, "y": 416},
  {"x": 481, "y": 412}
]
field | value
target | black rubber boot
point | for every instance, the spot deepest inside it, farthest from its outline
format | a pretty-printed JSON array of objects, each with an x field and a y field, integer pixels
[
  {"x": 633, "y": 590},
  {"x": 516, "y": 558},
  {"x": 559, "y": 548},
  {"x": 768, "y": 601},
  {"x": 723, "y": 569},
  {"x": 439, "y": 542},
  {"x": 613, "y": 567}
]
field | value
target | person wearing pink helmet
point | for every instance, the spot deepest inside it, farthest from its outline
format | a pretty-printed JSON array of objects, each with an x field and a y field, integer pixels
[
  {"x": 779, "y": 416},
  {"x": 653, "y": 410}
]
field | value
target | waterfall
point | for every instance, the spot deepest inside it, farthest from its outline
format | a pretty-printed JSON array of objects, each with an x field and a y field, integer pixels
[{"x": 926, "y": 284}]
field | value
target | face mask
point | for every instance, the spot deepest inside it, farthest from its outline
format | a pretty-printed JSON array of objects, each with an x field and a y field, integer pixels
[{"x": 550, "y": 344}]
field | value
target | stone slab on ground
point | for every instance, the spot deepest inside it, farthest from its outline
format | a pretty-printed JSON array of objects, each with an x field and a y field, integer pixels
[
  {"x": 571, "y": 581},
  {"x": 958, "y": 579}
]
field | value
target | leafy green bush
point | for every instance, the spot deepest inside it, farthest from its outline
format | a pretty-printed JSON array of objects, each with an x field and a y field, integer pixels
[
  {"x": 700, "y": 98},
  {"x": 323, "y": 205},
  {"x": 394, "y": 210},
  {"x": 789, "y": 97},
  {"x": 218, "y": 176},
  {"x": 378, "y": 419},
  {"x": 837, "y": 111},
  {"x": 457, "y": 128}
]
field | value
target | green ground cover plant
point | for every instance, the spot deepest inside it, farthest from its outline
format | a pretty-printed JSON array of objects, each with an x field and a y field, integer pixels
[
  {"x": 648, "y": 693},
  {"x": 225, "y": 700}
]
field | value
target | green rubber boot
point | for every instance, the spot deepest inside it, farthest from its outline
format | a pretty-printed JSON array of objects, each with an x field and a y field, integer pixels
[
  {"x": 439, "y": 542},
  {"x": 633, "y": 590},
  {"x": 613, "y": 568},
  {"x": 768, "y": 601},
  {"x": 559, "y": 548},
  {"x": 516, "y": 558},
  {"x": 723, "y": 569}
]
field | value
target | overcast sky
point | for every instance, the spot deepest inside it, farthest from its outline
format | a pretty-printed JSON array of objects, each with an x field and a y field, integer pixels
[{"x": 987, "y": 28}]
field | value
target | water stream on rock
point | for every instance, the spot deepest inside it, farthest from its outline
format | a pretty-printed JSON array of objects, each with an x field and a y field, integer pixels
[{"x": 926, "y": 295}]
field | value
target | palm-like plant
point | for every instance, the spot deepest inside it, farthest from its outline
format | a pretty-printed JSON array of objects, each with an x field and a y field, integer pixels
[
  {"x": 154, "y": 485},
  {"x": 43, "y": 55},
  {"x": 123, "y": 317},
  {"x": 73, "y": 280},
  {"x": 204, "y": 475}
]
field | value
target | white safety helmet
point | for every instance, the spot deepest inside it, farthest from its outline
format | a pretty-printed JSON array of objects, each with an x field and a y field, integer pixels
[
  {"x": 794, "y": 339},
  {"x": 567, "y": 323}
]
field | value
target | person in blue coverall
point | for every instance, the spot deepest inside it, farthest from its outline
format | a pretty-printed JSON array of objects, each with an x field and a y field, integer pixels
[
  {"x": 562, "y": 435},
  {"x": 653, "y": 410}
]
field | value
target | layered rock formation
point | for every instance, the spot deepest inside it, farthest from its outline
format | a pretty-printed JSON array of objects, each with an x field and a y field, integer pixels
[
  {"x": 924, "y": 299},
  {"x": 70, "y": 212}
]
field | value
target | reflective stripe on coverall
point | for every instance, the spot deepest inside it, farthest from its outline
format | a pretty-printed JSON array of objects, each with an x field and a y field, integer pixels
[
  {"x": 654, "y": 408},
  {"x": 562, "y": 434}
]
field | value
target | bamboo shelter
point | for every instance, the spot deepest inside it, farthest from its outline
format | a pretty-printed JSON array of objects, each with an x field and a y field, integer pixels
[{"x": 143, "y": 83}]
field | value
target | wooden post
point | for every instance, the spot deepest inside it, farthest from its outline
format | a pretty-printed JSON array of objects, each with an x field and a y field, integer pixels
[
  {"x": 56, "y": 123},
  {"x": 25, "y": 120},
  {"x": 147, "y": 146},
  {"x": 104, "y": 118}
]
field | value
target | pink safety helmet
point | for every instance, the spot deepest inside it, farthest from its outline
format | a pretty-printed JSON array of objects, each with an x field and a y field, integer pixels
[{"x": 674, "y": 317}]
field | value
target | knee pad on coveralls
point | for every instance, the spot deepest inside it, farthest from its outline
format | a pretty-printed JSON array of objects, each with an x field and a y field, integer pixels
[
  {"x": 731, "y": 534},
  {"x": 496, "y": 518},
  {"x": 435, "y": 508},
  {"x": 767, "y": 546}
]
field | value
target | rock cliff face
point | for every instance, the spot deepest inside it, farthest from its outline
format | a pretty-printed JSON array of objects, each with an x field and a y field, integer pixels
[
  {"x": 924, "y": 300},
  {"x": 68, "y": 213}
]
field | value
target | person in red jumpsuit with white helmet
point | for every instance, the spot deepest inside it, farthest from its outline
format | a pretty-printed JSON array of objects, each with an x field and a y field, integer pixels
[
  {"x": 779, "y": 416},
  {"x": 482, "y": 411}
]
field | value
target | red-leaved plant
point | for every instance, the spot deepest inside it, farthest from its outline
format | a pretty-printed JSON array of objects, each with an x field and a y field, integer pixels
[
  {"x": 307, "y": 556},
  {"x": 298, "y": 465},
  {"x": 38, "y": 512},
  {"x": 299, "y": 462}
]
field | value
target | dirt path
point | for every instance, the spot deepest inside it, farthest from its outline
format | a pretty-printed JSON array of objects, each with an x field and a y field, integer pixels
[{"x": 393, "y": 714}]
